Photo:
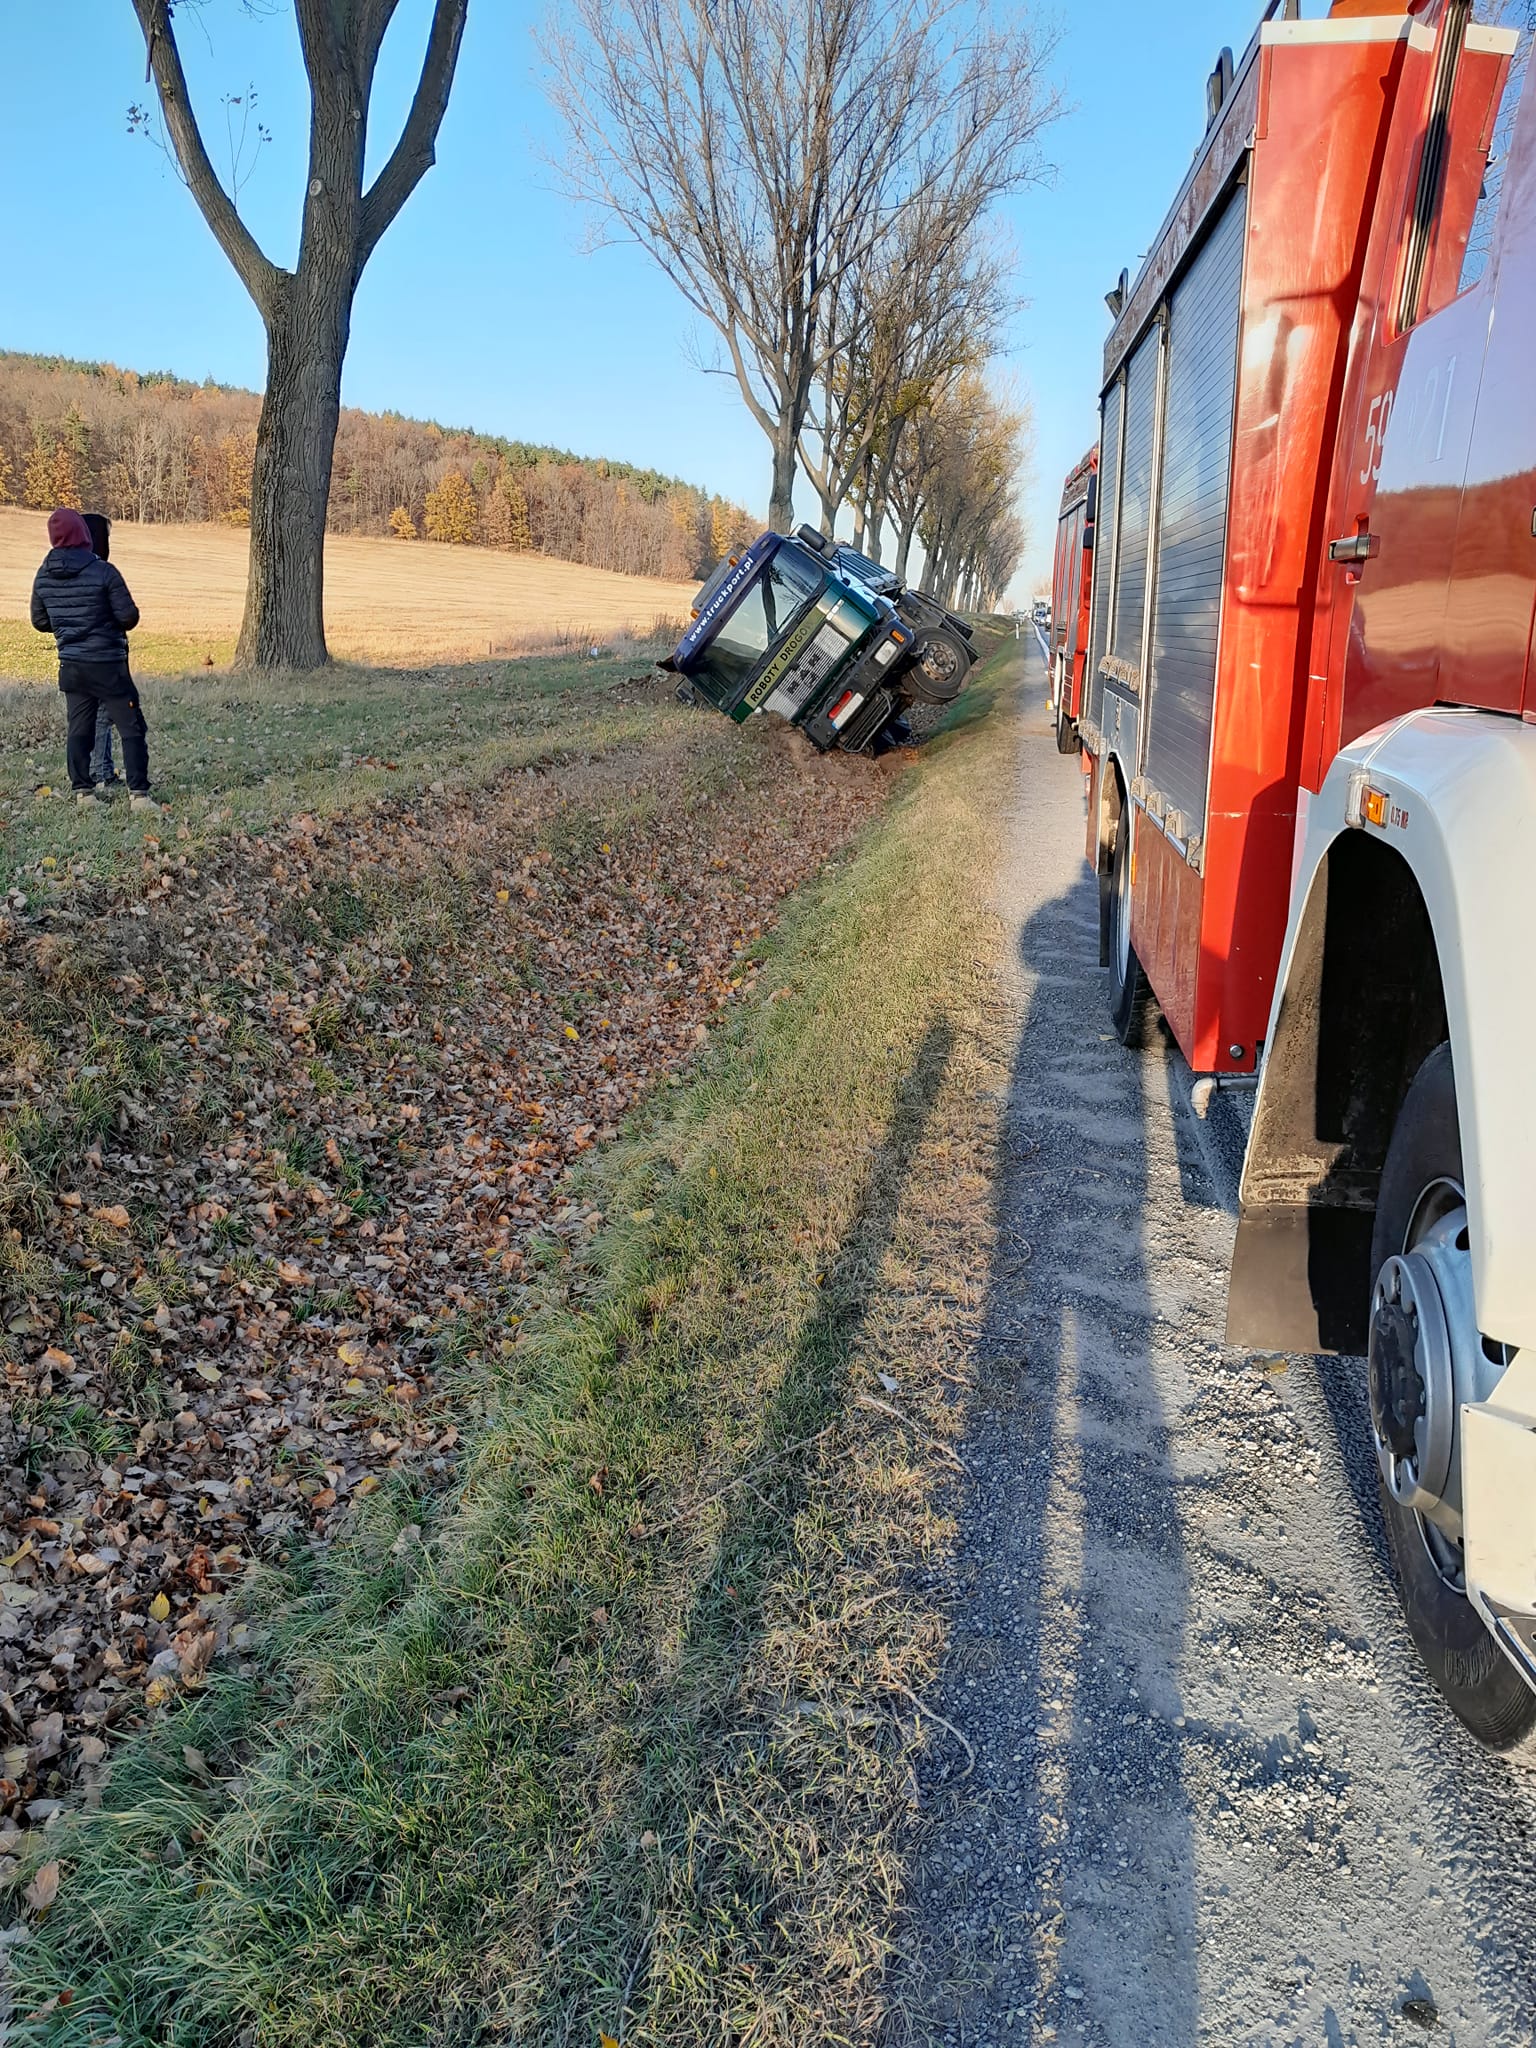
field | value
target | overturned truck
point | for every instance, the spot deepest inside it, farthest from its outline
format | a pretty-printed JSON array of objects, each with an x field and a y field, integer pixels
[{"x": 829, "y": 640}]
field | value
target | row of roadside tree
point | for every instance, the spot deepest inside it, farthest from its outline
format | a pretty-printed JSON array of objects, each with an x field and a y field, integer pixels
[
  {"x": 834, "y": 220},
  {"x": 818, "y": 178}
]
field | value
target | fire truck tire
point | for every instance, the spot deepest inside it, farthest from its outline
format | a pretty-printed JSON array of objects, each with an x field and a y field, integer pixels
[
  {"x": 1067, "y": 740},
  {"x": 1132, "y": 1005},
  {"x": 1482, "y": 1688},
  {"x": 940, "y": 663}
]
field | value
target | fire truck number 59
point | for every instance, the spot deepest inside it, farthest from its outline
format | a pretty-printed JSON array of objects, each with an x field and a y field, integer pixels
[{"x": 1376, "y": 435}]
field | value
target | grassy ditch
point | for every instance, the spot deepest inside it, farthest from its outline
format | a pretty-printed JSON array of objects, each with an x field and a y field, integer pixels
[
  {"x": 618, "y": 1738},
  {"x": 234, "y": 754}
]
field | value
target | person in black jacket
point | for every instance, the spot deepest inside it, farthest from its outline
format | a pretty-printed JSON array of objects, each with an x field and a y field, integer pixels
[
  {"x": 103, "y": 772},
  {"x": 85, "y": 604}
]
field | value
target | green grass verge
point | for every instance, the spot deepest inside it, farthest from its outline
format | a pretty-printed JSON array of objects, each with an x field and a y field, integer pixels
[
  {"x": 599, "y": 1744},
  {"x": 242, "y": 753},
  {"x": 27, "y": 656}
]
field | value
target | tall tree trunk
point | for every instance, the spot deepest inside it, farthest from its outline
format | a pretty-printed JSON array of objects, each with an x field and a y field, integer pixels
[
  {"x": 880, "y": 498},
  {"x": 904, "y": 550},
  {"x": 793, "y": 403},
  {"x": 864, "y": 537},
  {"x": 307, "y": 311},
  {"x": 936, "y": 566},
  {"x": 781, "y": 505},
  {"x": 284, "y": 623}
]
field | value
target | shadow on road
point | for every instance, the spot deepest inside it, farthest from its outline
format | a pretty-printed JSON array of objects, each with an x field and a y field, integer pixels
[{"x": 1056, "y": 1879}]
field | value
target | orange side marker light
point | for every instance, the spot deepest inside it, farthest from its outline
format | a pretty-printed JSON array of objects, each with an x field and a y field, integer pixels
[{"x": 1366, "y": 804}]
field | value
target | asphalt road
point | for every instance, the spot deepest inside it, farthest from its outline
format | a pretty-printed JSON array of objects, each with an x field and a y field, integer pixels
[{"x": 1214, "y": 1799}]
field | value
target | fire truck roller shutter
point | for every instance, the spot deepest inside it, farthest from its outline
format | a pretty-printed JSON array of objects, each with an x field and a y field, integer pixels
[
  {"x": 1104, "y": 545},
  {"x": 1130, "y": 594},
  {"x": 1192, "y": 516},
  {"x": 1074, "y": 581}
]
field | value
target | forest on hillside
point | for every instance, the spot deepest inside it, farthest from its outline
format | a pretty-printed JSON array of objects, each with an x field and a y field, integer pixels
[{"x": 157, "y": 449}]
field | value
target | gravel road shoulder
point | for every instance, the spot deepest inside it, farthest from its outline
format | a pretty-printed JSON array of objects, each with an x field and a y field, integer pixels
[{"x": 1213, "y": 1798}]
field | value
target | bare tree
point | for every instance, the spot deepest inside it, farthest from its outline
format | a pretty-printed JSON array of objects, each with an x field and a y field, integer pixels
[
  {"x": 307, "y": 311},
  {"x": 935, "y": 302},
  {"x": 961, "y": 463},
  {"x": 763, "y": 150}
]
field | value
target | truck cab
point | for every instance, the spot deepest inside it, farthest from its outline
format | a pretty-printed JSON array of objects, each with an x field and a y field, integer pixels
[{"x": 1386, "y": 1203}]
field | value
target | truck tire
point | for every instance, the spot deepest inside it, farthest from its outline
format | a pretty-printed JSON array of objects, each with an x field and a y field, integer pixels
[
  {"x": 939, "y": 665},
  {"x": 1480, "y": 1685},
  {"x": 1132, "y": 1005}
]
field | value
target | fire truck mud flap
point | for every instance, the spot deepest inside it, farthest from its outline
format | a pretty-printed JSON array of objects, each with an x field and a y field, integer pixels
[{"x": 1278, "y": 1296}]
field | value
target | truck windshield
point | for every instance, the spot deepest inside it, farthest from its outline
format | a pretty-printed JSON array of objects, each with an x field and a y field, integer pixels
[{"x": 773, "y": 602}]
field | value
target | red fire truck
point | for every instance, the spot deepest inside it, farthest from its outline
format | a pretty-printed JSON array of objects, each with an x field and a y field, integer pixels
[
  {"x": 1071, "y": 585},
  {"x": 1309, "y": 746}
]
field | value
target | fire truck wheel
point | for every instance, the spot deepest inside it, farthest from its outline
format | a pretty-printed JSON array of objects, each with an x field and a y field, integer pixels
[
  {"x": 1479, "y": 1683},
  {"x": 1067, "y": 741},
  {"x": 940, "y": 663},
  {"x": 1132, "y": 1006}
]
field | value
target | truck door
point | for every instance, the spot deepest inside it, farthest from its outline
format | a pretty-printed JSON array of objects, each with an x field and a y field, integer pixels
[
  {"x": 1413, "y": 426},
  {"x": 1484, "y": 659}
]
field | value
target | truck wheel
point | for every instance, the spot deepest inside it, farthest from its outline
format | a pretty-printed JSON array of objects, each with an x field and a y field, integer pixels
[
  {"x": 940, "y": 663},
  {"x": 1422, "y": 1193},
  {"x": 1132, "y": 1006}
]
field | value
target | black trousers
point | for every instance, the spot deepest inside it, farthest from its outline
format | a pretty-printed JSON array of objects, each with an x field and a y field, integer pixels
[
  {"x": 103, "y": 769},
  {"x": 93, "y": 686}
]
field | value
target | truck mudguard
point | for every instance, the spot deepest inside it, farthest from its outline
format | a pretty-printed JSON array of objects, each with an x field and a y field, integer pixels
[{"x": 1413, "y": 920}]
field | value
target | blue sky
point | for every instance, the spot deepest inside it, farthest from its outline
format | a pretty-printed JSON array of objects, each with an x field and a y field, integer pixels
[{"x": 484, "y": 306}]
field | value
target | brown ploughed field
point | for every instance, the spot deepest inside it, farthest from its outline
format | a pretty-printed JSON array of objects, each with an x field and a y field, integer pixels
[{"x": 386, "y": 600}]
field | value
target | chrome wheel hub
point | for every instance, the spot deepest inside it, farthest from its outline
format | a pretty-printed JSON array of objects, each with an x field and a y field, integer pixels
[
  {"x": 1412, "y": 1395},
  {"x": 1426, "y": 1359},
  {"x": 938, "y": 662}
]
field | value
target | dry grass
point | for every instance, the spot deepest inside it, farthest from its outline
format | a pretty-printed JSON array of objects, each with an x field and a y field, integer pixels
[
  {"x": 233, "y": 754},
  {"x": 621, "y": 1739},
  {"x": 386, "y": 600}
]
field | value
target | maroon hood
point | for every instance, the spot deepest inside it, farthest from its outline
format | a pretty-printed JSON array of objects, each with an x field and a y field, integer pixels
[{"x": 67, "y": 529}]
